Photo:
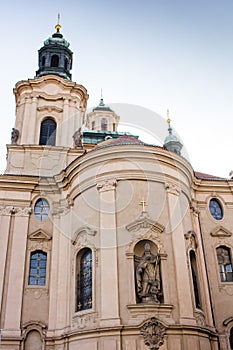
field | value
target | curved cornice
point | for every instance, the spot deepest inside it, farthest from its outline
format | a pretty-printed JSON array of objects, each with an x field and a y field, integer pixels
[
  {"x": 180, "y": 173},
  {"x": 69, "y": 86}
]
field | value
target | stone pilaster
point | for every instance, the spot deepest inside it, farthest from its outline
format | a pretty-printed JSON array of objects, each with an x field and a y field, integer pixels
[
  {"x": 26, "y": 121},
  {"x": 31, "y": 122},
  {"x": 205, "y": 292},
  {"x": 179, "y": 250},
  {"x": 5, "y": 223},
  {"x": 109, "y": 312},
  {"x": 15, "y": 274}
]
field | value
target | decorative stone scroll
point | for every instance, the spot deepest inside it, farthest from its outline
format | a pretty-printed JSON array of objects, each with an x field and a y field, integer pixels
[
  {"x": 23, "y": 211},
  {"x": 145, "y": 223},
  {"x": 7, "y": 211},
  {"x": 107, "y": 185},
  {"x": 172, "y": 188},
  {"x": 82, "y": 233},
  {"x": 153, "y": 332},
  {"x": 60, "y": 208}
]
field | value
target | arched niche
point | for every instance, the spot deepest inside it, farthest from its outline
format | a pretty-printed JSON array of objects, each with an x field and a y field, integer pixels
[
  {"x": 33, "y": 341},
  {"x": 147, "y": 273}
]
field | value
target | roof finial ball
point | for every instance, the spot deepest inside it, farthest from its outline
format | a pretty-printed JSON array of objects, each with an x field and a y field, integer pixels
[{"x": 58, "y": 26}]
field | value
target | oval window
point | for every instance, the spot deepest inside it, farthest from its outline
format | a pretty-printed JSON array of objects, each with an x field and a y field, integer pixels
[{"x": 215, "y": 209}]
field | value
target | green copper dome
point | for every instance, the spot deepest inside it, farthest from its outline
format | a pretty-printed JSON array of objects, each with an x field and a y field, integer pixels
[
  {"x": 171, "y": 142},
  {"x": 102, "y": 107}
]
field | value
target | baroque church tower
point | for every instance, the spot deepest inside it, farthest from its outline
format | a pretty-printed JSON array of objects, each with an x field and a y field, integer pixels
[
  {"x": 49, "y": 109},
  {"x": 107, "y": 242}
]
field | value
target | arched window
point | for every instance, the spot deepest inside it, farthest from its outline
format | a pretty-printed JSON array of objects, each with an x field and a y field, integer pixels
[
  {"x": 225, "y": 264},
  {"x": 55, "y": 61},
  {"x": 104, "y": 125},
  {"x": 43, "y": 61},
  {"x": 231, "y": 338},
  {"x": 48, "y": 132},
  {"x": 37, "y": 271},
  {"x": 41, "y": 209},
  {"x": 194, "y": 271},
  {"x": 66, "y": 64},
  {"x": 215, "y": 209},
  {"x": 84, "y": 280},
  {"x": 93, "y": 125}
]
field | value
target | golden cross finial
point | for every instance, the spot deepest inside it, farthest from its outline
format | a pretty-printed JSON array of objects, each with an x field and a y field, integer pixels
[
  {"x": 168, "y": 117},
  {"x": 58, "y": 26},
  {"x": 143, "y": 204},
  {"x": 101, "y": 94}
]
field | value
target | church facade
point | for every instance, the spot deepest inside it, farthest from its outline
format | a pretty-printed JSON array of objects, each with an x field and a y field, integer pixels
[{"x": 107, "y": 243}]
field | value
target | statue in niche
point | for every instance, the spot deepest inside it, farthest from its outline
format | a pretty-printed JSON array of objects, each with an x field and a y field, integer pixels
[
  {"x": 14, "y": 135},
  {"x": 78, "y": 138},
  {"x": 148, "y": 284}
]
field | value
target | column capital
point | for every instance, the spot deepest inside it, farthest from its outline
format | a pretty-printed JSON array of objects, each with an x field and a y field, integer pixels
[
  {"x": 17, "y": 211},
  {"x": 106, "y": 185},
  {"x": 22, "y": 211},
  {"x": 172, "y": 188}
]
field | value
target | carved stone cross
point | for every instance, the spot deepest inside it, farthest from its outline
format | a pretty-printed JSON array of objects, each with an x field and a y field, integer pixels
[{"x": 143, "y": 204}]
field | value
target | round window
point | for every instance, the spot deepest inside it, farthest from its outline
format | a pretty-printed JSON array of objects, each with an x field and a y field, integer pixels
[
  {"x": 41, "y": 209},
  {"x": 215, "y": 209}
]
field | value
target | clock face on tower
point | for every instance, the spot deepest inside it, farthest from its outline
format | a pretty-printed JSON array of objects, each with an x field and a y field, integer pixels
[{"x": 41, "y": 209}]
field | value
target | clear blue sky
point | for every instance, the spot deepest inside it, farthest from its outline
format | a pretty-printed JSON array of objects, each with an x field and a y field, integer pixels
[{"x": 158, "y": 54}]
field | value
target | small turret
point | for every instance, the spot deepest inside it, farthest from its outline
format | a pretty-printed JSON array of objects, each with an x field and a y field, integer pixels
[
  {"x": 171, "y": 142},
  {"x": 102, "y": 118}
]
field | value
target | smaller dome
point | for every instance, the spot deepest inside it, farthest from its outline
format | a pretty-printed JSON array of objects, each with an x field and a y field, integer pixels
[
  {"x": 171, "y": 138},
  {"x": 102, "y": 107},
  {"x": 171, "y": 142},
  {"x": 57, "y": 38}
]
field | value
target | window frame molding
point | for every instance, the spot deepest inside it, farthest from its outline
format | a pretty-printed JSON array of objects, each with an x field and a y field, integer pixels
[
  {"x": 222, "y": 203},
  {"x": 38, "y": 240},
  {"x": 77, "y": 251},
  {"x": 34, "y": 205},
  {"x": 226, "y": 245},
  {"x": 199, "y": 282},
  {"x": 42, "y": 120},
  {"x": 228, "y": 323}
]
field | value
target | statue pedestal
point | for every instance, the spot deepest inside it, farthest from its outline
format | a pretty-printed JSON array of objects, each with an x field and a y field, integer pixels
[{"x": 149, "y": 300}]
